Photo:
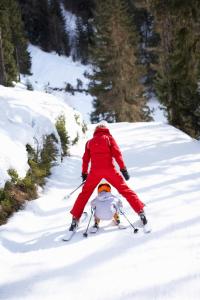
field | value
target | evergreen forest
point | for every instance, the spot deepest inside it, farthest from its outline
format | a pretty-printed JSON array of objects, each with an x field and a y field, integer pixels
[{"x": 135, "y": 48}]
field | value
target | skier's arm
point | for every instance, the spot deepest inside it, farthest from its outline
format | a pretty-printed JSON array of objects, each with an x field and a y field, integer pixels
[
  {"x": 85, "y": 159},
  {"x": 119, "y": 205}
]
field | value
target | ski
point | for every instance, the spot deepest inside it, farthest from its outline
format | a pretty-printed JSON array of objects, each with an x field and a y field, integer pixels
[
  {"x": 147, "y": 228},
  {"x": 95, "y": 229},
  {"x": 121, "y": 226},
  {"x": 69, "y": 234}
]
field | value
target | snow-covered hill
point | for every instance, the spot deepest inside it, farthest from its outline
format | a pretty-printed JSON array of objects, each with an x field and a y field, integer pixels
[
  {"x": 50, "y": 71},
  {"x": 164, "y": 164},
  {"x": 25, "y": 118}
]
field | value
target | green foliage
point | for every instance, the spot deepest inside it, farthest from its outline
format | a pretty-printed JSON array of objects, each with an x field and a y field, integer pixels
[
  {"x": 14, "y": 175},
  {"x": 178, "y": 70},
  {"x": 84, "y": 127},
  {"x": 57, "y": 35},
  {"x": 8, "y": 203},
  {"x": 48, "y": 153},
  {"x": 45, "y": 25},
  {"x": 62, "y": 132},
  {"x": 8, "y": 50},
  {"x": 83, "y": 35},
  {"x": 79, "y": 84},
  {"x": 77, "y": 119},
  {"x": 3, "y": 195},
  {"x": 41, "y": 162},
  {"x": 19, "y": 40},
  {"x": 14, "y": 55},
  {"x": 18, "y": 190},
  {"x": 115, "y": 81},
  {"x": 29, "y": 186},
  {"x": 7, "y": 206},
  {"x": 75, "y": 141},
  {"x": 69, "y": 88}
]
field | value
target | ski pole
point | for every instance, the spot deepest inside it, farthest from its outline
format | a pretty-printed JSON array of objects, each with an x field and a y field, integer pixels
[
  {"x": 85, "y": 234},
  {"x": 68, "y": 196},
  {"x": 135, "y": 229}
]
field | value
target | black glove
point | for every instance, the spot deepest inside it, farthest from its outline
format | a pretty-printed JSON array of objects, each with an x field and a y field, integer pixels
[
  {"x": 84, "y": 176},
  {"x": 125, "y": 174}
]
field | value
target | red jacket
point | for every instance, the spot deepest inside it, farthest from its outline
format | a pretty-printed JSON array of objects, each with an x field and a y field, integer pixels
[{"x": 101, "y": 150}]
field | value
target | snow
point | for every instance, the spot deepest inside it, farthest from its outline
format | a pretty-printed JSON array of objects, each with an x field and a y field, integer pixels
[
  {"x": 164, "y": 165},
  {"x": 157, "y": 110},
  {"x": 25, "y": 118},
  {"x": 50, "y": 71},
  {"x": 70, "y": 25}
]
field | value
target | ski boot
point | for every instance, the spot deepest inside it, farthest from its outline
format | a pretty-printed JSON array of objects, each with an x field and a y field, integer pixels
[
  {"x": 71, "y": 231},
  {"x": 74, "y": 224},
  {"x": 94, "y": 228},
  {"x": 143, "y": 218},
  {"x": 146, "y": 227},
  {"x": 117, "y": 222}
]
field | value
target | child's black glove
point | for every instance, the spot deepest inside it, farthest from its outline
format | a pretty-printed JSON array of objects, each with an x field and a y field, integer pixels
[
  {"x": 125, "y": 174},
  {"x": 84, "y": 176}
]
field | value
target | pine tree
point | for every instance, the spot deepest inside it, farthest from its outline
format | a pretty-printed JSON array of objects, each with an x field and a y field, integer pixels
[
  {"x": 45, "y": 25},
  {"x": 36, "y": 18},
  {"x": 19, "y": 40},
  {"x": 115, "y": 82},
  {"x": 8, "y": 65},
  {"x": 15, "y": 58},
  {"x": 2, "y": 63},
  {"x": 178, "y": 71},
  {"x": 58, "y": 34},
  {"x": 83, "y": 35},
  {"x": 148, "y": 39}
]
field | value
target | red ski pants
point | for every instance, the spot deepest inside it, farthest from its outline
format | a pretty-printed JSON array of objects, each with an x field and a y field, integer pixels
[{"x": 115, "y": 179}]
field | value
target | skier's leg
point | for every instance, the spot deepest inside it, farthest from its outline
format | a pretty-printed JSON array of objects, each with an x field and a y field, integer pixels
[
  {"x": 87, "y": 190},
  {"x": 96, "y": 220},
  {"x": 114, "y": 178}
]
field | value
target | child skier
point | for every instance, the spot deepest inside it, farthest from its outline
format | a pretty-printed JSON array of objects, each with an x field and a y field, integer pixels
[{"x": 106, "y": 207}]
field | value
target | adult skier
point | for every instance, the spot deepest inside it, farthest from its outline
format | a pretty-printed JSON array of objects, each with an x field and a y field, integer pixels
[{"x": 100, "y": 152}]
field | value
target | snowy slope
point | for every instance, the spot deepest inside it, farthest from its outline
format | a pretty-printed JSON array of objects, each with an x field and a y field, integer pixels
[
  {"x": 49, "y": 70},
  {"x": 26, "y": 117},
  {"x": 164, "y": 164}
]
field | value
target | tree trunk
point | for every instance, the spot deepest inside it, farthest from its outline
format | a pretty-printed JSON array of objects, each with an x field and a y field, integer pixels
[{"x": 2, "y": 65}]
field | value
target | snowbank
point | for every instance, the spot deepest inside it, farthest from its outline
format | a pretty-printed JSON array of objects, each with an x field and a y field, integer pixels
[
  {"x": 113, "y": 264},
  {"x": 25, "y": 117}
]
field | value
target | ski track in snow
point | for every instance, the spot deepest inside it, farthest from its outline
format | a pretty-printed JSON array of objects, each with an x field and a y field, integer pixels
[{"x": 164, "y": 165}]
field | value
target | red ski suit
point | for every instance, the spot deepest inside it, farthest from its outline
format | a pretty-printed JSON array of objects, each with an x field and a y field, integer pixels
[{"x": 100, "y": 151}]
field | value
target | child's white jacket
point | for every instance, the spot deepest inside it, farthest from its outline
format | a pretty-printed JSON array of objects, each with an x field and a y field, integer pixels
[{"x": 106, "y": 205}]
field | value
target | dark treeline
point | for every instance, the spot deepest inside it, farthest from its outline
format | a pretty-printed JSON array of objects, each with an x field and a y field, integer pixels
[
  {"x": 178, "y": 68},
  {"x": 144, "y": 46},
  {"x": 14, "y": 57},
  {"x": 84, "y": 11},
  {"x": 45, "y": 25},
  {"x": 135, "y": 47}
]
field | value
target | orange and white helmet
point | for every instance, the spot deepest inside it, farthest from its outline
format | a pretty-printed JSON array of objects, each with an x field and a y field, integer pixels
[{"x": 104, "y": 187}]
